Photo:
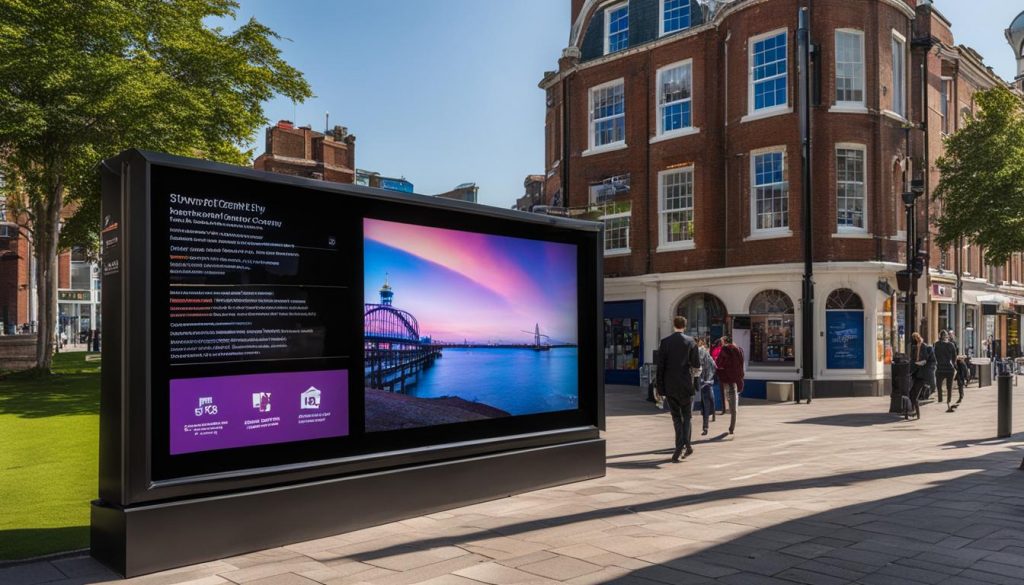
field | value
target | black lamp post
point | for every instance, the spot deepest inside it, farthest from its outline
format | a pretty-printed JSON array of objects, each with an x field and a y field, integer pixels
[{"x": 915, "y": 257}]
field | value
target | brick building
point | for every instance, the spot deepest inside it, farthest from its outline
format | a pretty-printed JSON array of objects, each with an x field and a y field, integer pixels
[
  {"x": 533, "y": 193},
  {"x": 464, "y": 192},
  {"x": 676, "y": 122},
  {"x": 303, "y": 152},
  {"x": 78, "y": 285}
]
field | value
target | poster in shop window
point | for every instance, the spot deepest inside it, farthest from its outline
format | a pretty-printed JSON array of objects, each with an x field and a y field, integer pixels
[{"x": 844, "y": 340}]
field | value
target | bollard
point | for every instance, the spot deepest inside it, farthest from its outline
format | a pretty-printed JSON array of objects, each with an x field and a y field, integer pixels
[{"x": 1005, "y": 413}]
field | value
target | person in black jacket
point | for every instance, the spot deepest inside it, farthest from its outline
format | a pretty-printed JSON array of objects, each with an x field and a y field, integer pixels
[
  {"x": 678, "y": 365},
  {"x": 963, "y": 375},
  {"x": 945, "y": 364},
  {"x": 922, "y": 370}
]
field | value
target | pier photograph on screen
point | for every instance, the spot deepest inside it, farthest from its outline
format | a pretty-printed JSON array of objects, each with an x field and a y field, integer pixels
[{"x": 462, "y": 326}]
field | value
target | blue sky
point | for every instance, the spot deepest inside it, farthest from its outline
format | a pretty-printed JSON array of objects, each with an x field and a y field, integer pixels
[{"x": 444, "y": 92}]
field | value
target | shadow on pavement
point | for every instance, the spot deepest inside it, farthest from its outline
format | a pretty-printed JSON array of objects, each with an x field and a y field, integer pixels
[
  {"x": 840, "y": 545},
  {"x": 860, "y": 419},
  {"x": 963, "y": 444},
  {"x": 16, "y": 543}
]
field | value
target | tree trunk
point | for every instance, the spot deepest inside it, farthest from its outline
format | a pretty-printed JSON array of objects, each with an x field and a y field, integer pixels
[{"x": 47, "y": 231}]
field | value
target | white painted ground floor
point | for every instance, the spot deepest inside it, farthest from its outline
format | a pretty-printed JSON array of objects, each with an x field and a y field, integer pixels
[{"x": 858, "y": 321}]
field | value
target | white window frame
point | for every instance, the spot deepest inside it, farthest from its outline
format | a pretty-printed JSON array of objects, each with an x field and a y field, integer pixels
[
  {"x": 899, "y": 108},
  {"x": 661, "y": 18},
  {"x": 778, "y": 108},
  {"x": 773, "y": 232},
  {"x": 659, "y": 107},
  {"x": 845, "y": 229},
  {"x": 603, "y": 219},
  {"x": 946, "y": 95},
  {"x": 664, "y": 244},
  {"x": 608, "y": 23},
  {"x": 592, "y": 135},
  {"x": 847, "y": 104}
]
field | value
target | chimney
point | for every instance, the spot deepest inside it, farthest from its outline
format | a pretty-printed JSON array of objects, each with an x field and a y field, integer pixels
[{"x": 286, "y": 124}]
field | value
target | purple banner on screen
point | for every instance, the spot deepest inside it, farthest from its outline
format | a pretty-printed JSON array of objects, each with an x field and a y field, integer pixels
[{"x": 225, "y": 412}]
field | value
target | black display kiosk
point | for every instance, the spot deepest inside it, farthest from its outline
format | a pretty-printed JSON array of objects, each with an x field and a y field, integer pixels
[{"x": 280, "y": 360}]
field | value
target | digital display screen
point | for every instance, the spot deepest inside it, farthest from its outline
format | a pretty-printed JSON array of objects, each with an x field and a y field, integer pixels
[
  {"x": 462, "y": 326},
  {"x": 292, "y": 324}
]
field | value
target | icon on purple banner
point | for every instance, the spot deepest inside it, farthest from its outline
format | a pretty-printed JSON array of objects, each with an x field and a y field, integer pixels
[
  {"x": 261, "y": 401},
  {"x": 206, "y": 405},
  {"x": 310, "y": 399}
]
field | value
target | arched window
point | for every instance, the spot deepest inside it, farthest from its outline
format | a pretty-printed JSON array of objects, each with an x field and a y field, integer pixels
[
  {"x": 844, "y": 299},
  {"x": 771, "y": 328},
  {"x": 844, "y": 330},
  {"x": 706, "y": 316},
  {"x": 771, "y": 301}
]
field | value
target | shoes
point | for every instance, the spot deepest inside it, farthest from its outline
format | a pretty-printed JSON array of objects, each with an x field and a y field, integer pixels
[
  {"x": 675, "y": 455},
  {"x": 688, "y": 452},
  {"x": 732, "y": 431},
  {"x": 704, "y": 432}
]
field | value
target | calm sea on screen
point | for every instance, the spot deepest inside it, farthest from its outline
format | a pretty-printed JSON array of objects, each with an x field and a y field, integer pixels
[{"x": 518, "y": 381}]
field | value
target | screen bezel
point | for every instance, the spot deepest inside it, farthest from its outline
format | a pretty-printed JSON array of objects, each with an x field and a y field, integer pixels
[{"x": 351, "y": 205}]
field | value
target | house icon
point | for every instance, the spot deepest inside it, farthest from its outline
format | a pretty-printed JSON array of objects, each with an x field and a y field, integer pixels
[{"x": 310, "y": 399}]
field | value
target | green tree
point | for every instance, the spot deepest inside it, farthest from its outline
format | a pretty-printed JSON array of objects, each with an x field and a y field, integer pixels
[
  {"x": 81, "y": 80},
  {"x": 982, "y": 178}
]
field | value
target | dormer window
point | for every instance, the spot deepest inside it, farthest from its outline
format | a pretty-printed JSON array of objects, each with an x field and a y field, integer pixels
[
  {"x": 616, "y": 28},
  {"x": 675, "y": 15}
]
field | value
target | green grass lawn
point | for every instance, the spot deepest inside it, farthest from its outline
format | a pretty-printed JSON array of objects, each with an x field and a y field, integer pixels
[{"x": 49, "y": 429}]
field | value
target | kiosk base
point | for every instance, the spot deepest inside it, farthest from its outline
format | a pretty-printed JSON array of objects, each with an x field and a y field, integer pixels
[{"x": 147, "y": 538}]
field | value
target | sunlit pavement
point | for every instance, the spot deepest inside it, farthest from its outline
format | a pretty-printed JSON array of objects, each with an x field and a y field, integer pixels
[{"x": 837, "y": 491}]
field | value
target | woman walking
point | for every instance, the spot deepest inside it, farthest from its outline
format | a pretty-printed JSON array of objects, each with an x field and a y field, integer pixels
[
  {"x": 922, "y": 370},
  {"x": 730, "y": 374},
  {"x": 705, "y": 383}
]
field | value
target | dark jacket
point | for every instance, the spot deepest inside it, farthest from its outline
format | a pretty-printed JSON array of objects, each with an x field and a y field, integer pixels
[
  {"x": 676, "y": 355},
  {"x": 926, "y": 371},
  {"x": 945, "y": 357},
  {"x": 730, "y": 365},
  {"x": 963, "y": 372}
]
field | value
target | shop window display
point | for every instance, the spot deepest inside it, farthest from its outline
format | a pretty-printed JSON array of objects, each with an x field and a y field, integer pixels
[
  {"x": 706, "y": 317},
  {"x": 622, "y": 344},
  {"x": 771, "y": 328}
]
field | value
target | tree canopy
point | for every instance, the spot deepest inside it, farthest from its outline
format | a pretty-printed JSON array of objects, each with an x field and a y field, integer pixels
[
  {"x": 81, "y": 80},
  {"x": 982, "y": 178}
]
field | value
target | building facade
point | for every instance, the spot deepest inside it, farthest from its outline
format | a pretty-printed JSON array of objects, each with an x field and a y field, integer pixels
[
  {"x": 375, "y": 179},
  {"x": 676, "y": 123},
  {"x": 303, "y": 152},
  {"x": 464, "y": 192},
  {"x": 533, "y": 193}
]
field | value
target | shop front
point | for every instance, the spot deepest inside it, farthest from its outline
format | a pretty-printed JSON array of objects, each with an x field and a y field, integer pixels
[
  {"x": 856, "y": 321},
  {"x": 78, "y": 315}
]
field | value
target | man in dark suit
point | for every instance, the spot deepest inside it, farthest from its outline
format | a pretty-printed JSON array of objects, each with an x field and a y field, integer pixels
[{"x": 678, "y": 359}]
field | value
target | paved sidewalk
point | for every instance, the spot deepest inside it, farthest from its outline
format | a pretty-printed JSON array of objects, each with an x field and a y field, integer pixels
[{"x": 833, "y": 492}]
